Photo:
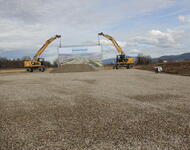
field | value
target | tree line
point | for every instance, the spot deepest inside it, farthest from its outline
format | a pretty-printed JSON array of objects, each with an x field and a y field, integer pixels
[{"x": 6, "y": 63}]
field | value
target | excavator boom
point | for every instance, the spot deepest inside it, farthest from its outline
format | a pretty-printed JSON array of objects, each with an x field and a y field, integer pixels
[
  {"x": 41, "y": 50},
  {"x": 119, "y": 49}
]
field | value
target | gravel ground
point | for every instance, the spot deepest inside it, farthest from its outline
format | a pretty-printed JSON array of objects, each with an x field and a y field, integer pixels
[{"x": 104, "y": 110}]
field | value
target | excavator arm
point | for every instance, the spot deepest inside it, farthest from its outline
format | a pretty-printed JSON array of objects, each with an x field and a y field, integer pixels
[
  {"x": 119, "y": 49},
  {"x": 41, "y": 50}
]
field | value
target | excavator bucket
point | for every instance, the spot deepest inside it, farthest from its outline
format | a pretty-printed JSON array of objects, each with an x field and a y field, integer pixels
[
  {"x": 58, "y": 36},
  {"x": 101, "y": 33}
]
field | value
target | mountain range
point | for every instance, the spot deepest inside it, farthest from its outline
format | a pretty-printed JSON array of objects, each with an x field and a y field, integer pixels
[{"x": 181, "y": 57}]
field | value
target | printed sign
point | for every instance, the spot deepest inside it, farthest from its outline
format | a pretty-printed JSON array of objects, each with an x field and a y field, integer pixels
[{"x": 80, "y": 54}]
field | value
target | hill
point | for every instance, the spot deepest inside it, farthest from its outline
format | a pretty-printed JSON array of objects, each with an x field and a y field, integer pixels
[{"x": 181, "y": 57}]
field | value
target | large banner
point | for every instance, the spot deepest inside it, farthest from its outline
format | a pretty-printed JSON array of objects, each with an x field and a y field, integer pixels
[{"x": 81, "y": 54}]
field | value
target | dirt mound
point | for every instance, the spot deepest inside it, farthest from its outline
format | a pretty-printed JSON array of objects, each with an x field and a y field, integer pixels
[{"x": 74, "y": 68}]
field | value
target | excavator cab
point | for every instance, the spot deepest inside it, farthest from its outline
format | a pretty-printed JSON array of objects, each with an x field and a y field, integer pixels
[
  {"x": 121, "y": 61},
  {"x": 41, "y": 60},
  {"x": 121, "y": 58}
]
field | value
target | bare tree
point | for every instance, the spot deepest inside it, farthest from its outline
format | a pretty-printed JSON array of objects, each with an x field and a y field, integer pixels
[{"x": 143, "y": 60}]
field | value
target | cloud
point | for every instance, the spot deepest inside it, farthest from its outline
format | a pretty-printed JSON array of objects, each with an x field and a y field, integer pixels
[
  {"x": 148, "y": 6},
  {"x": 135, "y": 51},
  {"x": 90, "y": 12},
  {"x": 170, "y": 38},
  {"x": 181, "y": 18},
  {"x": 158, "y": 43},
  {"x": 184, "y": 19},
  {"x": 108, "y": 42},
  {"x": 110, "y": 51},
  {"x": 26, "y": 25}
]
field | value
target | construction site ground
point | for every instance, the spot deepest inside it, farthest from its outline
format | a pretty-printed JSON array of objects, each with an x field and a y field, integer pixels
[{"x": 103, "y": 110}]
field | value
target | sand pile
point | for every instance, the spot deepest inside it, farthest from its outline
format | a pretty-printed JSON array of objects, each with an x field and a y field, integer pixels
[{"x": 74, "y": 68}]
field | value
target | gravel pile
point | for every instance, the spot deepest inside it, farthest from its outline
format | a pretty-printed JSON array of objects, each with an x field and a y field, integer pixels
[{"x": 74, "y": 68}]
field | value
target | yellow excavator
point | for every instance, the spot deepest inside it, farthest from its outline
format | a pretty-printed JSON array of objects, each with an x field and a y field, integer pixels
[
  {"x": 121, "y": 60},
  {"x": 37, "y": 63}
]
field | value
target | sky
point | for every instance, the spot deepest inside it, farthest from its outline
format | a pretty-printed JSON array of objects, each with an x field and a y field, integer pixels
[{"x": 151, "y": 27}]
